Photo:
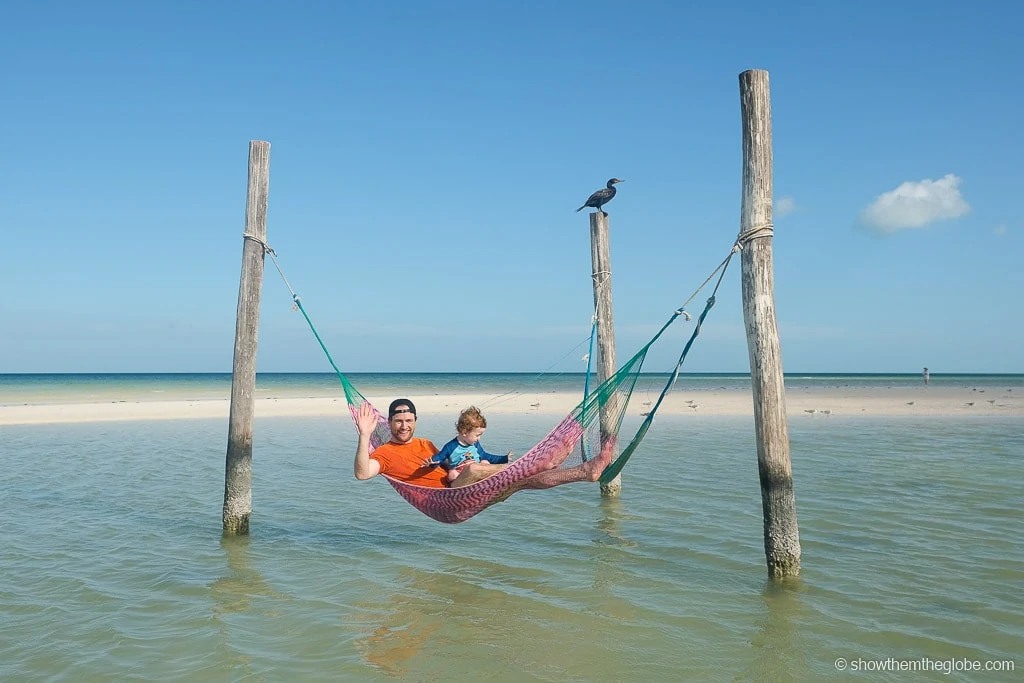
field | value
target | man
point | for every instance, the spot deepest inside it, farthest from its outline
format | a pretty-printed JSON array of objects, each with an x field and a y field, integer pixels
[{"x": 403, "y": 456}]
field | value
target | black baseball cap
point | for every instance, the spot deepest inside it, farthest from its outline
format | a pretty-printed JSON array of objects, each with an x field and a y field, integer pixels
[{"x": 401, "y": 402}]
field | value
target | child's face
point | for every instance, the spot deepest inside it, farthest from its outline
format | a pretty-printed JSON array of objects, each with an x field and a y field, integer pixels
[{"x": 472, "y": 436}]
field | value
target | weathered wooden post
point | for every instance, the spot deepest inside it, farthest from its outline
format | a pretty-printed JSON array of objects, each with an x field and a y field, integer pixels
[
  {"x": 601, "y": 261},
  {"x": 238, "y": 469},
  {"x": 781, "y": 535}
]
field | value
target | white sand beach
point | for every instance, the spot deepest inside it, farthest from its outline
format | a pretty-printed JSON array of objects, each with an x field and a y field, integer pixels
[{"x": 800, "y": 404}]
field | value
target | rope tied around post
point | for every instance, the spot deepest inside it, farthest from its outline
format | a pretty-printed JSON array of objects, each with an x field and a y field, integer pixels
[
  {"x": 601, "y": 279},
  {"x": 751, "y": 234},
  {"x": 267, "y": 249}
]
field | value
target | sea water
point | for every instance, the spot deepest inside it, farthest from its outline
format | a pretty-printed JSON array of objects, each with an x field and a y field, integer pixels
[{"x": 113, "y": 565}]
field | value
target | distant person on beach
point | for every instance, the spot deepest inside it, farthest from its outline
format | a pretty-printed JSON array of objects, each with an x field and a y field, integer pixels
[
  {"x": 927, "y": 376},
  {"x": 404, "y": 456},
  {"x": 465, "y": 449}
]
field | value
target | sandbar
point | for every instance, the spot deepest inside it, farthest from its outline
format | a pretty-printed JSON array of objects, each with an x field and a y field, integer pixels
[{"x": 816, "y": 403}]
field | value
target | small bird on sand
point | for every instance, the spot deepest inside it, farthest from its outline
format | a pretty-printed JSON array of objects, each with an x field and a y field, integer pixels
[{"x": 601, "y": 197}]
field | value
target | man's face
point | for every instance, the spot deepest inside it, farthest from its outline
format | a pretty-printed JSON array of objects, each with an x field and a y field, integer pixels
[{"x": 403, "y": 425}]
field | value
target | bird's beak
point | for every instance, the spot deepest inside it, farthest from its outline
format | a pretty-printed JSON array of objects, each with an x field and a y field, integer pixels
[{"x": 619, "y": 181}]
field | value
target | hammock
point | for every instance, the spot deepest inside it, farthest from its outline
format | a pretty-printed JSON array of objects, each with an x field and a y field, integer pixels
[{"x": 563, "y": 456}]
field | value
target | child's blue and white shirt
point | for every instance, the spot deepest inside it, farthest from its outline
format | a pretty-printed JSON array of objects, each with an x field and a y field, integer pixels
[{"x": 455, "y": 454}]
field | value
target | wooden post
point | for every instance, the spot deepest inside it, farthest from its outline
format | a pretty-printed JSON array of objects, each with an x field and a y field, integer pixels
[
  {"x": 781, "y": 535},
  {"x": 601, "y": 260},
  {"x": 238, "y": 469}
]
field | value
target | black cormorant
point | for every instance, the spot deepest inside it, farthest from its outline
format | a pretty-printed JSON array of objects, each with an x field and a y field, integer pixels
[{"x": 601, "y": 197}]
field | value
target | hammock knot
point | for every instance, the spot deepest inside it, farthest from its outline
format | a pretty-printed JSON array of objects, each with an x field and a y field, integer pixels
[
  {"x": 262, "y": 243},
  {"x": 751, "y": 234}
]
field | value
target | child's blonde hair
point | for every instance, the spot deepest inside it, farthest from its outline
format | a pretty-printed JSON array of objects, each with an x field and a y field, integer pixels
[{"x": 470, "y": 419}]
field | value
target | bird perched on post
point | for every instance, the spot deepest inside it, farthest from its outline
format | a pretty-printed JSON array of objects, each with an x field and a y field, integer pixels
[{"x": 601, "y": 197}]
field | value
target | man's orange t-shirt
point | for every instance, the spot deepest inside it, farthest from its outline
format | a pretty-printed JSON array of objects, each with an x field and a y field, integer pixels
[{"x": 405, "y": 462}]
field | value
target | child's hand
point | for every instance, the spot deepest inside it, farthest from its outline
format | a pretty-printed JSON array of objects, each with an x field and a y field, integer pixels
[
  {"x": 510, "y": 454},
  {"x": 427, "y": 462}
]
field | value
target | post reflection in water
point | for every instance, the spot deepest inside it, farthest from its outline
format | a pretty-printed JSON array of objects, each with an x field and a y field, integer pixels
[
  {"x": 609, "y": 553},
  {"x": 779, "y": 650},
  {"x": 232, "y": 595},
  {"x": 611, "y": 523},
  {"x": 234, "y": 592}
]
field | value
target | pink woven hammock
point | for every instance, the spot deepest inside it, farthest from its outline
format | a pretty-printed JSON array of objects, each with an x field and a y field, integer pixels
[{"x": 544, "y": 466}]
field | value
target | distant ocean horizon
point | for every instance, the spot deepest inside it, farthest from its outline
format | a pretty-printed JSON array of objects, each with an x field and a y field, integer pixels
[{"x": 22, "y": 388}]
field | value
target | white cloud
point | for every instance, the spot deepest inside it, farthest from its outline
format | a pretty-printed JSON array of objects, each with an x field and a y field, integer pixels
[
  {"x": 784, "y": 206},
  {"x": 916, "y": 204},
  {"x": 999, "y": 230}
]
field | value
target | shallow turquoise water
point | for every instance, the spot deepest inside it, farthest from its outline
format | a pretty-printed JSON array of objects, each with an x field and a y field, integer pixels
[{"x": 113, "y": 565}]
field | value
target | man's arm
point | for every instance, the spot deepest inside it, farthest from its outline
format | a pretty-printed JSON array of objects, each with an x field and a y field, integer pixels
[{"x": 365, "y": 467}]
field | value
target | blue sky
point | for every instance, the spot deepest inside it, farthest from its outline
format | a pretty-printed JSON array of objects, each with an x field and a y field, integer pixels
[{"x": 427, "y": 159}]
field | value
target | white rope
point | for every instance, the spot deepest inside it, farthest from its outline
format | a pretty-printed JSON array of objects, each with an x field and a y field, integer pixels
[
  {"x": 745, "y": 236},
  {"x": 273, "y": 256},
  {"x": 681, "y": 310},
  {"x": 599, "y": 284},
  {"x": 259, "y": 241},
  {"x": 512, "y": 393},
  {"x": 763, "y": 230}
]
